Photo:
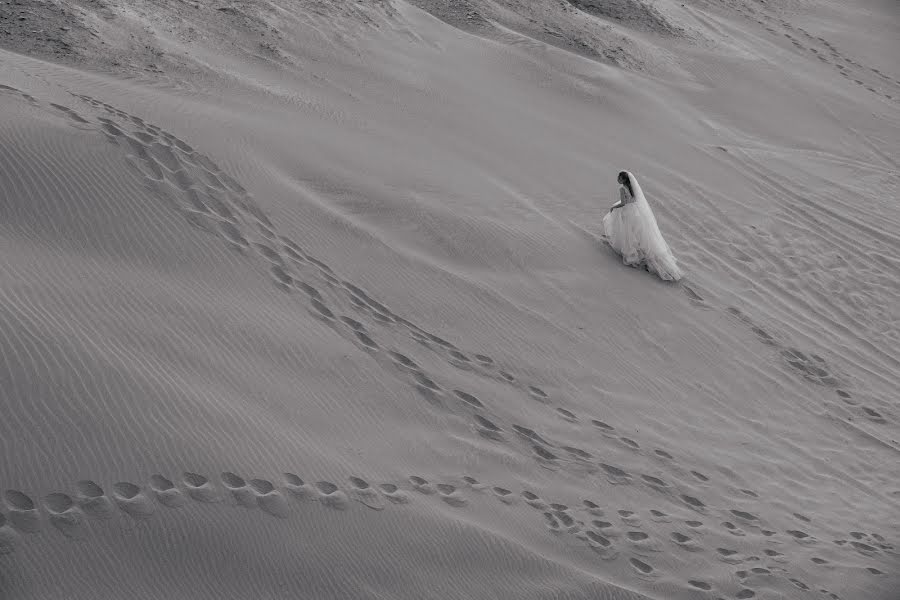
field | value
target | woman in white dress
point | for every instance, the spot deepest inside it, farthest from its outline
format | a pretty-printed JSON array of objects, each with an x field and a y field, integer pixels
[{"x": 632, "y": 231}]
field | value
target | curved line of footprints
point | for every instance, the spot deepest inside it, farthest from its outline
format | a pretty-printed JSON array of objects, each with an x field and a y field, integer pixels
[{"x": 69, "y": 513}]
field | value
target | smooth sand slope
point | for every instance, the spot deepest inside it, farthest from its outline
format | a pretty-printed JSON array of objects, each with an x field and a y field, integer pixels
[{"x": 310, "y": 300}]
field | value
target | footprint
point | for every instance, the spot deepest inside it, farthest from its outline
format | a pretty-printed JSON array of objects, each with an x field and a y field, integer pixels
[
  {"x": 533, "y": 500},
  {"x": 630, "y": 443},
  {"x": 601, "y": 545},
  {"x": 699, "y": 476},
  {"x": 365, "y": 494},
  {"x": 800, "y": 536},
  {"x": 567, "y": 414},
  {"x": 763, "y": 335},
  {"x": 293, "y": 251},
  {"x": 598, "y": 539},
  {"x": 629, "y": 518},
  {"x": 578, "y": 452},
  {"x": 166, "y": 493},
  {"x": 733, "y": 529},
  {"x": 8, "y": 536},
  {"x": 313, "y": 294},
  {"x": 641, "y": 566},
  {"x": 601, "y": 425},
  {"x": 567, "y": 521},
  {"x": 92, "y": 500},
  {"x": 863, "y": 548},
  {"x": 654, "y": 481},
  {"x": 393, "y": 493},
  {"x": 23, "y": 515},
  {"x": 663, "y": 454},
  {"x": 282, "y": 278},
  {"x": 487, "y": 428},
  {"x": 507, "y": 376},
  {"x": 320, "y": 308},
  {"x": 468, "y": 399},
  {"x": 70, "y": 113},
  {"x": 636, "y": 536},
  {"x": 593, "y": 508},
  {"x": 504, "y": 495},
  {"x": 744, "y": 515},
  {"x": 239, "y": 490},
  {"x": 269, "y": 254},
  {"x": 537, "y": 392},
  {"x": 366, "y": 341},
  {"x": 401, "y": 359},
  {"x": 729, "y": 556},
  {"x": 459, "y": 356},
  {"x": 440, "y": 341},
  {"x": 745, "y": 593},
  {"x": 485, "y": 360},
  {"x": 268, "y": 498},
  {"x": 425, "y": 383},
  {"x": 543, "y": 453},
  {"x": 450, "y": 495},
  {"x": 694, "y": 524},
  {"x": 874, "y": 571},
  {"x": 65, "y": 516},
  {"x": 693, "y": 502},
  {"x": 552, "y": 522},
  {"x": 874, "y": 415},
  {"x": 799, "y": 584},
  {"x": 132, "y": 500},
  {"x": 199, "y": 488},
  {"x": 700, "y": 585},
  {"x": 530, "y": 434},
  {"x": 421, "y": 485},
  {"x": 615, "y": 475},
  {"x": 233, "y": 235},
  {"x": 692, "y": 295},
  {"x": 331, "y": 496}
]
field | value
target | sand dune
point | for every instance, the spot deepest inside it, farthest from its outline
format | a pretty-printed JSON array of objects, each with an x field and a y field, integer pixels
[{"x": 311, "y": 300}]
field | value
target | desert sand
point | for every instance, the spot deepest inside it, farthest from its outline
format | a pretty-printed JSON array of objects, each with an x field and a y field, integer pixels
[{"x": 310, "y": 300}]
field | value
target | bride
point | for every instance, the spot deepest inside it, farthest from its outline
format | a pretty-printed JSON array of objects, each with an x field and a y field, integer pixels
[{"x": 632, "y": 231}]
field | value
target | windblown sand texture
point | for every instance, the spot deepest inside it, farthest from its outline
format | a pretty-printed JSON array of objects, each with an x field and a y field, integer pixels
[{"x": 308, "y": 299}]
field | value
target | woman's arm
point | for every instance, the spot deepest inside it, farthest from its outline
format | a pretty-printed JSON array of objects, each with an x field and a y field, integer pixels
[{"x": 624, "y": 198}]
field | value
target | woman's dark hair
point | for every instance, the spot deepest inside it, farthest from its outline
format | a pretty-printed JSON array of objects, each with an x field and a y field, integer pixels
[{"x": 625, "y": 180}]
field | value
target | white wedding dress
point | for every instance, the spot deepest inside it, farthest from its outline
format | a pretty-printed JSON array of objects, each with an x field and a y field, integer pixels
[{"x": 632, "y": 231}]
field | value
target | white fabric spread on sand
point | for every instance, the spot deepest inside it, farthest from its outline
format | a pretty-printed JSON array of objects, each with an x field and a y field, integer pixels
[{"x": 632, "y": 231}]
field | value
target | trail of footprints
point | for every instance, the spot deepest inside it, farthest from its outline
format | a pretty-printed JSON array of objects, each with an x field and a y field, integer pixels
[
  {"x": 216, "y": 203},
  {"x": 869, "y": 78},
  {"x": 611, "y": 534},
  {"x": 808, "y": 365}
]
